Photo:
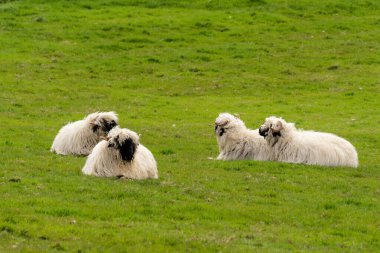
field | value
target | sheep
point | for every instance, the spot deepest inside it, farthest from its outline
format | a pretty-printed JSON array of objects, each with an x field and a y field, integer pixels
[
  {"x": 80, "y": 137},
  {"x": 121, "y": 155},
  {"x": 236, "y": 142},
  {"x": 288, "y": 144}
]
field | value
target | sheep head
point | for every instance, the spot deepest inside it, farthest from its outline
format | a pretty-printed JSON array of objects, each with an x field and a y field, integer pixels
[
  {"x": 227, "y": 121},
  {"x": 126, "y": 141},
  {"x": 102, "y": 122},
  {"x": 272, "y": 127}
]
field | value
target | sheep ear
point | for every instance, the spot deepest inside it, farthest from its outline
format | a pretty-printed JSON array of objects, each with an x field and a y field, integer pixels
[
  {"x": 94, "y": 126},
  {"x": 127, "y": 150},
  {"x": 277, "y": 127}
]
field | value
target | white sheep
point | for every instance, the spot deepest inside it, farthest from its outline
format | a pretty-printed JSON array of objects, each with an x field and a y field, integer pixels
[
  {"x": 121, "y": 155},
  {"x": 80, "y": 137},
  {"x": 288, "y": 144},
  {"x": 237, "y": 142}
]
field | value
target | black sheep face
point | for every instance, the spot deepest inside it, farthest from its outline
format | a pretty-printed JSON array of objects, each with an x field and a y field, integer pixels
[
  {"x": 225, "y": 122},
  {"x": 104, "y": 122},
  {"x": 272, "y": 127},
  {"x": 126, "y": 141},
  {"x": 107, "y": 125}
]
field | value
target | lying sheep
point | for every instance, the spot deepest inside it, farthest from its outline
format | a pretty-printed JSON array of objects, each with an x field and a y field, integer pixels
[
  {"x": 80, "y": 137},
  {"x": 288, "y": 144},
  {"x": 121, "y": 155}
]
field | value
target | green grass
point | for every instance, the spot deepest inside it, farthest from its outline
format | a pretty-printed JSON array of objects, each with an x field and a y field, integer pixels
[{"x": 168, "y": 68}]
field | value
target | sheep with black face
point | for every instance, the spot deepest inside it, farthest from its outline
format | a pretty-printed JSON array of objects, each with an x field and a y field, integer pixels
[
  {"x": 289, "y": 144},
  {"x": 80, "y": 137},
  {"x": 121, "y": 155},
  {"x": 237, "y": 142}
]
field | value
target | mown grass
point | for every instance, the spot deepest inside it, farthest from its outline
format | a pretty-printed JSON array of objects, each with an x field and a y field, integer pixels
[{"x": 168, "y": 68}]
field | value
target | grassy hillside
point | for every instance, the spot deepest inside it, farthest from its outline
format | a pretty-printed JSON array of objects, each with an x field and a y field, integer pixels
[{"x": 168, "y": 68}]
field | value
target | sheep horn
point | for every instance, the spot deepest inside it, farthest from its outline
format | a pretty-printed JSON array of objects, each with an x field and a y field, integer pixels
[
  {"x": 105, "y": 138},
  {"x": 222, "y": 124}
]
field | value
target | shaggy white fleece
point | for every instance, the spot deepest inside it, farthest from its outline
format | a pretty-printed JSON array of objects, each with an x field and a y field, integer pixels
[
  {"x": 288, "y": 144},
  {"x": 80, "y": 137},
  {"x": 121, "y": 155},
  {"x": 237, "y": 142}
]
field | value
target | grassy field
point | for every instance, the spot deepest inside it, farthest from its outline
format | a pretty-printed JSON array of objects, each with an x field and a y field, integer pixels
[{"x": 168, "y": 68}]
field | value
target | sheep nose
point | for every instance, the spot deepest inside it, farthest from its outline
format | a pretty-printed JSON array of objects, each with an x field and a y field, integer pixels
[{"x": 263, "y": 131}]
